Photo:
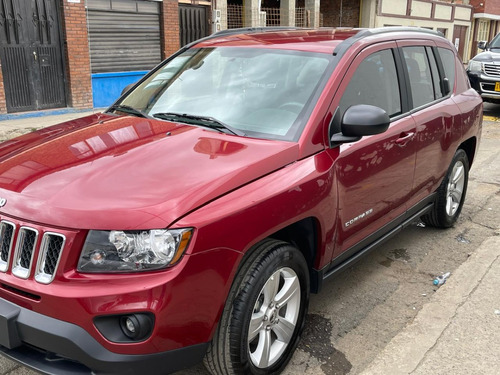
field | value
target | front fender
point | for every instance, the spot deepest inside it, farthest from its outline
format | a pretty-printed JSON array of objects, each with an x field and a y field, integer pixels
[{"x": 242, "y": 218}]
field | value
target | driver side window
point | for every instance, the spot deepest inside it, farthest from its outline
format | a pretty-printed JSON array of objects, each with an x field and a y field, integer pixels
[{"x": 375, "y": 82}]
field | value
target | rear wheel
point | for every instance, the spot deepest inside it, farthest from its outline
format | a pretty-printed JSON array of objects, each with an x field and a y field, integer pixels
[
  {"x": 451, "y": 193},
  {"x": 264, "y": 315}
]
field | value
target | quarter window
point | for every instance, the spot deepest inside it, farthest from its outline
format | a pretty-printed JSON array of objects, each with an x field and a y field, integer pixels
[
  {"x": 375, "y": 82},
  {"x": 448, "y": 60},
  {"x": 419, "y": 71},
  {"x": 438, "y": 92}
]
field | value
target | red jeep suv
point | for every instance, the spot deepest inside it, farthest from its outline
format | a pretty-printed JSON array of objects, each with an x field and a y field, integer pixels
[{"x": 192, "y": 219}]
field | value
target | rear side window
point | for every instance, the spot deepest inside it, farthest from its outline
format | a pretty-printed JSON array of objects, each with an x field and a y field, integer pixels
[
  {"x": 448, "y": 60},
  {"x": 438, "y": 92},
  {"x": 419, "y": 71},
  {"x": 375, "y": 82}
]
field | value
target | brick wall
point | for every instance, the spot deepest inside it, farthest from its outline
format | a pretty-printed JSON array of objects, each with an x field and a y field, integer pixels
[
  {"x": 492, "y": 7},
  {"x": 3, "y": 105},
  {"x": 170, "y": 27},
  {"x": 478, "y": 5},
  {"x": 74, "y": 22},
  {"x": 334, "y": 16}
]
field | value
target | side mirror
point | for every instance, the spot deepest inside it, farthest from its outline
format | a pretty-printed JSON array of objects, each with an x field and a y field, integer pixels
[
  {"x": 360, "y": 120},
  {"x": 482, "y": 44},
  {"x": 128, "y": 87}
]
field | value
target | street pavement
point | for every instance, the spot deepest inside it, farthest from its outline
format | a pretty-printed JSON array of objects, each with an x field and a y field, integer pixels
[{"x": 457, "y": 331}]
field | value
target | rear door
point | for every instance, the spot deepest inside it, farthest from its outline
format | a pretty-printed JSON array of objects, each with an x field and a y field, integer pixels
[
  {"x": 436, "y": 115},
  {"x": 375, "y": 174}
]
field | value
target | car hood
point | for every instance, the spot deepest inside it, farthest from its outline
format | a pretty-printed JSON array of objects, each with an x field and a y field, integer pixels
[
  {"x": 122, "y": 172},
  {"x": 488, "y": 56}
]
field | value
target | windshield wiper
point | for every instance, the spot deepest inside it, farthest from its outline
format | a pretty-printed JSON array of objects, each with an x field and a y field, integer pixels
[
  {"x": 128, "y": 109},
  {"x": 209, "y": 122}
]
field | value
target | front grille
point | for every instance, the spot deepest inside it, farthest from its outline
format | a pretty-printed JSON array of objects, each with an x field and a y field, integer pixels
[
  {"x": 50, "y": 253},
  {"x": 25, "y": 245},
  {"x": 21, "y": 292},
  {"x": 23, "y": 257},
  {"x": 6, "y": 240},
  {"x": 492, "y": 70}
]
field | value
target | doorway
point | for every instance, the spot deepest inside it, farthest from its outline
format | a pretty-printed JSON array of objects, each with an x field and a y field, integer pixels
[
  {"x": 31, "y": 55},
  {"x": 459, "y": 35},
  {"x": 193, "y": 23}
]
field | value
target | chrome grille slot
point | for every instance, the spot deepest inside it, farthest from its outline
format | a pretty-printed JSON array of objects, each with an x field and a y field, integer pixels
[
  {"x": 48, "y": 258},
  {"x": 489, "y": 87},
  {"x": 492, "y": 70},
  {"x": 25, "y": 248},
  {"x": 7, "y": 230}
]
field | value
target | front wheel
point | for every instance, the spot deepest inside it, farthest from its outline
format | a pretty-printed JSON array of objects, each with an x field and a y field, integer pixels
[
  {"x": 450, "y": 194},
  {"x": 264, "y": 315}
]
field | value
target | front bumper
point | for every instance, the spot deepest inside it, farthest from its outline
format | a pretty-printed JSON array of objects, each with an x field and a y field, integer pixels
[
  {"x": 53, "y": 346},
  {"x": 484, "y": 85}
]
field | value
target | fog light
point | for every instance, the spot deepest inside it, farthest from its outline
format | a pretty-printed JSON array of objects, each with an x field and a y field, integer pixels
[
  {"x": 130, "y": 325},
  {"x": 136, "y": 326}
]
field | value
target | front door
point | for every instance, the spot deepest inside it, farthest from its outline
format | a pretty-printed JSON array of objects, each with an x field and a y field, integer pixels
[
  {"x": 375, "y": 174},
  {"x": 31, "y": 55}
]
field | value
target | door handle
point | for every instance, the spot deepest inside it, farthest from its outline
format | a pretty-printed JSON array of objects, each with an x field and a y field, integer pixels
[
  {"x": 404, "y": 138},
  {"x": 35, "y": 56}
]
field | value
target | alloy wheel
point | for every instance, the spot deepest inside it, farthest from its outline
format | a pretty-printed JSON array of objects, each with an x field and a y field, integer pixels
[{"x": 274, "y": 318}]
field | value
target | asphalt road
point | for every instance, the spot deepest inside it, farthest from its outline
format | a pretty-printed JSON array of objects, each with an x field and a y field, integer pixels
[{"x": 360, "y": 311}]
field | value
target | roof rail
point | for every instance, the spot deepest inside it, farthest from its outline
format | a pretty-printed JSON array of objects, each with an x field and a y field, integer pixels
[
  {"x": 363, "y": 33},
  {"x": 387, "y": 29},
  {"x": 247, "y": 30},
  {"x": 243, "y": 30}
]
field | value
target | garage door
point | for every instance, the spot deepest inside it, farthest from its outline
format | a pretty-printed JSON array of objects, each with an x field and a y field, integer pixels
[{"x": 124, "y": 35}]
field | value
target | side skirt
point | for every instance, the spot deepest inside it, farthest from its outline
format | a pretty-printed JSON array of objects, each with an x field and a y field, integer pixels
[{"x": 358, "y": 251}]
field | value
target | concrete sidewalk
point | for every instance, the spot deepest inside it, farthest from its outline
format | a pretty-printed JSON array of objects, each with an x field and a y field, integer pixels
[
  {"x": 16, "y": 127},
  {"x": 458, "y": 331}
]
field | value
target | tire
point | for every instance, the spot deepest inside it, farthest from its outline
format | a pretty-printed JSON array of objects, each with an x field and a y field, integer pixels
[
  {"x": 450, "y": 194},
  {"x": 274, "y": 271}
]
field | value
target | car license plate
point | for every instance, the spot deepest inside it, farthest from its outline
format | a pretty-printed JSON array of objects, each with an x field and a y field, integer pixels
[
  {"x": 8, "y": 328},
  {"x": 497, "y": 86}
]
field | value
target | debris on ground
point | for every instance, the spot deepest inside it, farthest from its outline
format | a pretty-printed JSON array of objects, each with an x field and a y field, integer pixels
[{"x": 440, "y": 280}]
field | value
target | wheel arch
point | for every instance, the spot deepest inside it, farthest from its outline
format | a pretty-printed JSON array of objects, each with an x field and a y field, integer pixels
[
  {"x": 469, "y": 146},
  {"x": 305, "y": 236}
]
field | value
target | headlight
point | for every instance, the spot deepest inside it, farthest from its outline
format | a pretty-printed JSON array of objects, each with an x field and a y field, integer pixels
[
  {"x": 475, "y": 66},
  {"x": 128, "y": 251}
]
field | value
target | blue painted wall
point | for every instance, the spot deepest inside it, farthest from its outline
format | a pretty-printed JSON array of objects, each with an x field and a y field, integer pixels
[{"x": 107, "y": 87}]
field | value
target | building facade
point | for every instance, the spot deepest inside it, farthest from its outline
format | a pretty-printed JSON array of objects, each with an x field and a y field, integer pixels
[
  {"x": 486, "y": 23},
  {"x": 452, "y": 17}
]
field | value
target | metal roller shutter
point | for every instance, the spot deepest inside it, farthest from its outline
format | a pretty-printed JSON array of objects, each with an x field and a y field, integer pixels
[{"x": 124, "y": 35}]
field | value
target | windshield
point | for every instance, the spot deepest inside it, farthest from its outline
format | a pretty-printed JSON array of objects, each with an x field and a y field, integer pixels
[
  {"x": 495, "y": 43},
  {"x": 261, "y": 92}
]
